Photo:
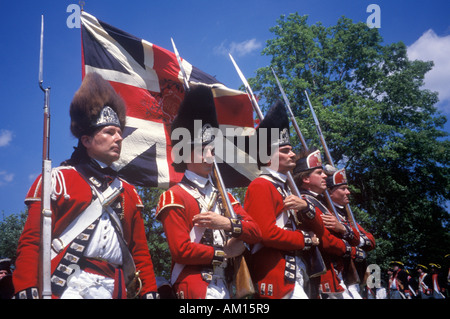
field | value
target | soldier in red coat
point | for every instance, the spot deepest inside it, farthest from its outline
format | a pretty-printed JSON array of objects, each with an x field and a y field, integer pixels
[
  {"x": 337, "y": 240},
  {"x": 201, "y": 239},
  {"x": 338, "y": 189},
  {"x": 98, "y": 237},
  {"x": 277, "y": 263},
  {"x": 438, "y": 281},
  {"x": 398, "y": 281}
]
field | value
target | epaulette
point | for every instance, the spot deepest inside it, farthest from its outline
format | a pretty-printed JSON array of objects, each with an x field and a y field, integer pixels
[
  {"x": 233, "y": 200},
  {"x": 167, "y": 199}
]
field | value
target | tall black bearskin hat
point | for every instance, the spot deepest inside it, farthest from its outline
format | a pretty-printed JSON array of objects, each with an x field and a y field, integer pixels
[
  {"x": 276, "y": 118},
  {"x": 95, "y": 105},
  {"x": 197, "y": 115}
]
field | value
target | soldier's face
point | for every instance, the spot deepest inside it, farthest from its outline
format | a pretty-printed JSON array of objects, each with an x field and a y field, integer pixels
[
  {"x": 202, "y": 160},
  {"x": 316, "y": 181},
  {"x": 283, "y": 160},
  {"x": 104, "y": 145},
  {"x": 339, "y": 195}
]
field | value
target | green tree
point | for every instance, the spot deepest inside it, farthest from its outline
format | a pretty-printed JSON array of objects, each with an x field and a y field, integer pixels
[
  {"x": 157, "y": 243},
  {"x": 379, "y": 123},
  {"x": 11, "y": 228}
]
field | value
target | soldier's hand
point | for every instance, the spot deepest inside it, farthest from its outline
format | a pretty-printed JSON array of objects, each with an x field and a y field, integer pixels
[
  {"x": 315, "y": 240},
  {"x": 212, "y": 220},
  {"x": 295, "y": 203},
  {"x": 332, "y": 223},
  {"x": 234, "y": 248}
]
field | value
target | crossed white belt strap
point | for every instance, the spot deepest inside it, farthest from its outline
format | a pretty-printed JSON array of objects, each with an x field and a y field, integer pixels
[{"x": 87, "y": 217}]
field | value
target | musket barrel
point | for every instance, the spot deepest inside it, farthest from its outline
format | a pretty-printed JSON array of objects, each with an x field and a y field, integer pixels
[
  {"x": 221, "y": 186},
  {"x": 291, "y": 114},
  {"x": 45, "y": 253},
  {"x": 46, "y": 230},
  {"x": 330, "y": 160}
]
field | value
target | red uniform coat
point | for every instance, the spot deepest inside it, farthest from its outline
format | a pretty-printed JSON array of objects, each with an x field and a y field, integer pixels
[
  {"x": 176, "y": 209},
  {"x": 68, "y": 201},
  {"x": 333, "y": 249},
  {"x": 264, "y": 203}
]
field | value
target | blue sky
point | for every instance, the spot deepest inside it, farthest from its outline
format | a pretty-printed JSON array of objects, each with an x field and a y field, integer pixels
[{"x": 204, "y": 32}]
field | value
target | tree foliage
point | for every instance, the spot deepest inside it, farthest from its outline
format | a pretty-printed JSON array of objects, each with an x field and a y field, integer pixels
[
  {"x": 157, "y": 243},
  {"x": 11, "y": 228},
  {"x": 379, "y": 123}
]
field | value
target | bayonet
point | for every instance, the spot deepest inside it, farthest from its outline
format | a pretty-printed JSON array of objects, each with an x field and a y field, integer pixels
[
  {"x": 291, "y": 114},
  {"x": 248, "y": 89}
]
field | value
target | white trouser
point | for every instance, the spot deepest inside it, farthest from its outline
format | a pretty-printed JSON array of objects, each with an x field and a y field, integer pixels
[
  {"x": 351, "y": 292},
  {"x": 217, "y": 288},
  {"x": 301, "y": 280},
  {"x": 84, "y": 285}
]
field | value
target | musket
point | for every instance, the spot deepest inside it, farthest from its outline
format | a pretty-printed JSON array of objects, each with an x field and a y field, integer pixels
[
  {"x": 351, "y": 273},
  {"x": 45, "y": 258},
  {"x": 328, "y": 156},
  {"x": 317, "y": 266},
  {"x": 242, "y": 280}
]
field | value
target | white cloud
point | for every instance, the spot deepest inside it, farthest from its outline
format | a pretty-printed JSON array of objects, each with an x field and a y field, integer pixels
[
  {"x": 5, "y": 177},
  {"x": 431, "y": 47},
  {"x": 5, "y": 137},
  {"x": 238, "y": 48}
]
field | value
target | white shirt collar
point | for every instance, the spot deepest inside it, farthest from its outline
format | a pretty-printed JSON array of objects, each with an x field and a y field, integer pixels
[
  {"x": 280, "y": 176},
  {"x": 197, "y": 179}
]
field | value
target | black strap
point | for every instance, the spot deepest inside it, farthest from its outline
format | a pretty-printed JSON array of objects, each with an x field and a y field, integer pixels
[{"x": 71, "y": 259}]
